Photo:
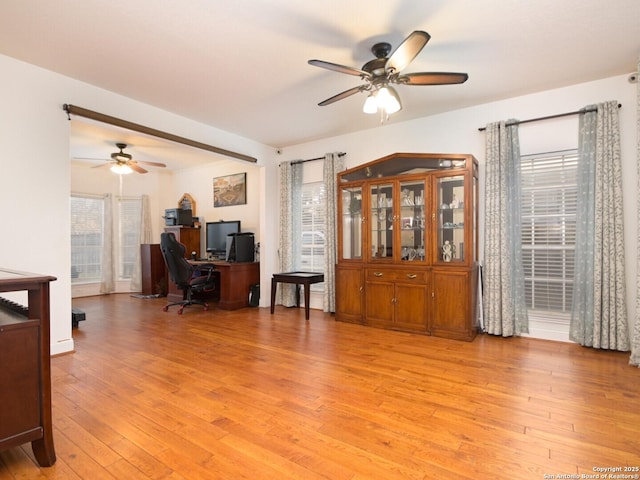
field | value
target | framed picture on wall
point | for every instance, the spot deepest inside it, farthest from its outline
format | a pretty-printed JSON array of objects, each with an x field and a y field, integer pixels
[{"x": 230, "y": 190}]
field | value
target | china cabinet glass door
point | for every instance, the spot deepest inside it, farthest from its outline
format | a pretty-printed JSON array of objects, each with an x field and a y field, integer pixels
[
  {"x": 381, "y": 221},
  {"x": 450, "y": 219},
  {"x": 412, "y": 221},
  {"x": 352, "y": 220}
]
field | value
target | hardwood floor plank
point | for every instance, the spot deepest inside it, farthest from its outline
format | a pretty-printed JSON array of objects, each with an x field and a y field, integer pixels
[
  {"x": 151, "y": 466},
  {"x": 82, "y": 463},
  {"x": 245, "y": 394}
]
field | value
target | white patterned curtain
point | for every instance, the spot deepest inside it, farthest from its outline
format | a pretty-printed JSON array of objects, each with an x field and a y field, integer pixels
[
  {"x": 635, "y": 346},
  {"x": 290, "y": 217},
  {"x": 599, "y": 311},
  {"x": 145, "y": 237},
  {"x": 333, "y": 164},
  {"x": 107, "y": 282},
  {"x": 504, "y": 305}
]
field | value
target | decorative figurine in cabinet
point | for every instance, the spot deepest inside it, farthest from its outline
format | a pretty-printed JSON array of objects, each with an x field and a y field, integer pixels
[{"x": 407, "y": 244}]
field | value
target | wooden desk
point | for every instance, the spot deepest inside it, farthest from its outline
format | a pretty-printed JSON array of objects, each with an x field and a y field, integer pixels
[
  {"x": 25, "y": 366},
  {"x": 235, "y": 281},
  {"x": 298, "y": 278}
]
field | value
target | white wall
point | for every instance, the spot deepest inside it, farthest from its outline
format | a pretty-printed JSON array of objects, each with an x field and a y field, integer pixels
[
  {"x": 35, "y": 174},
  {"x": 198, "y": 182},
  {"x": 457, "y": 132}
]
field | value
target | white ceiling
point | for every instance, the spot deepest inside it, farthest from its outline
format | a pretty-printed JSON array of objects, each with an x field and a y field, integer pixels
[{"x": 241, "y": 66}]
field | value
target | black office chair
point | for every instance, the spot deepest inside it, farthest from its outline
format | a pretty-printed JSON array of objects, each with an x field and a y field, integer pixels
[{"x": 188, "y": 279}]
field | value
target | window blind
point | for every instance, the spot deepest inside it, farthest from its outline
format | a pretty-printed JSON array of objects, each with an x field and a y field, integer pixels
[
  {"x": 548, "y": 203},
  {"x": 313, "y": 229},
  {"x": 87, "y": 220}
]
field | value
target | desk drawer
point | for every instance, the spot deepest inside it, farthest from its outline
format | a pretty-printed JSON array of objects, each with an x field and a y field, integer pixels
[{"x": 394, "y": 275}]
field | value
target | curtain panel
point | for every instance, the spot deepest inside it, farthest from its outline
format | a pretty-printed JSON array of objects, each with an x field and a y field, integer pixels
[
  {"x": 145, "y": 236},
  {"x": 333, "y": 164},
  {"x": 108, "y": 282},
  {"x": 290, "y": 217},
  {"x": 504, "y": 304},
  {"x": 635, "y": 346},
  {"x": 599, "y": 312}
]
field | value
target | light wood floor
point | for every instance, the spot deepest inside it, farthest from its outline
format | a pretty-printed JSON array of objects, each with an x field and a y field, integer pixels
[{"x": 246, "y": 394}]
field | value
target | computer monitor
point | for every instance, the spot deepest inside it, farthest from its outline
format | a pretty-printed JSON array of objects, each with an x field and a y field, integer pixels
[{"x": 217, "y": 236}]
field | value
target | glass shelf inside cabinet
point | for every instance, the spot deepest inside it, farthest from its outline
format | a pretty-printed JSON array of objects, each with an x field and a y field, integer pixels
[
  {"x": 451, "y": 216},
  {"x": 412, "y": 221},
  {"x": 352, "y": 223},
  {"x": 382, "y": 220}
]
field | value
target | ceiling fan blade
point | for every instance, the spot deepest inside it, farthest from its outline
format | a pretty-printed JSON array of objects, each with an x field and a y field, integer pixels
[
  {"x": 345, "y": 94},
  {"x": 432, "y": 78},
  {"x": 339, "y": 68},
  {"x": 93, "y": 159},
  {"x": 136, "y": 168},
  {"x": 407, "y": 51},
  {"x": 106, "y": 164},
  {"x": 151, "y": 164}
]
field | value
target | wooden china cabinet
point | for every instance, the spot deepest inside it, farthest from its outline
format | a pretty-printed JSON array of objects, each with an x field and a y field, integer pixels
[{"x": 407, "y": 244}]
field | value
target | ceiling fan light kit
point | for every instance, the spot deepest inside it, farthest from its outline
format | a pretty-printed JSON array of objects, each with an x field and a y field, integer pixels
[
  {"x": 121, "y": 168},
  {"x": 384, "y": 70},
  {"x": 385, "y": 100}
]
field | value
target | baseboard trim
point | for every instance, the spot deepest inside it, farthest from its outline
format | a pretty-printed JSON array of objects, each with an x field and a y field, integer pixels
[{"x": 63, "y": 346}]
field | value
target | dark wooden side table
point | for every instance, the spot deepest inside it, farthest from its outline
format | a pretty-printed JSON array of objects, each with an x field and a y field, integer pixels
[
  {"x": 297, "y": 278},
  {"x": 25, "y": 366}
]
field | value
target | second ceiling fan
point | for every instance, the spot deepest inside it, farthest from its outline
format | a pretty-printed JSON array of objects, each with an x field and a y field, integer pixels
[
  {"x": 123, "y": 163},
  {"x": 384, "y": 70}
]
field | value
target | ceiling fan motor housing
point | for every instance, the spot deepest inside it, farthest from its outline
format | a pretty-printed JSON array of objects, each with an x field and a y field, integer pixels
[
  {"x": 376, "y": 67},
  {"x": 121, "y": 156}
]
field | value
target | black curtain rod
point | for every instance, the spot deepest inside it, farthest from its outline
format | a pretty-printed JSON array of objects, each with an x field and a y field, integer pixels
[
  {"x": 577, "y": 112},
  {"x": 295, "y": 162}
]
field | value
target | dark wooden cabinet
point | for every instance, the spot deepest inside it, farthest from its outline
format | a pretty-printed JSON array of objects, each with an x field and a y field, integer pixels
[
  {"x": 189, "y": 237},
  {"x": 154, "y": 272},
  {"x": 407, "y": 244},
  {"x": 19, "y": 369},
  {"x": 25, "y": 371}
]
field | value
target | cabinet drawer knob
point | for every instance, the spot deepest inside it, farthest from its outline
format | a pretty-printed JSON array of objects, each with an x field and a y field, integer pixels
[
  {"x": 378, "y": 274},
  {"x": 411, "y": 275}
]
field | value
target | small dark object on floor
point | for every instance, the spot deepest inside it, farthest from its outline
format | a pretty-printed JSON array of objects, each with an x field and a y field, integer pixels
[{"x": 77, "y": 316}]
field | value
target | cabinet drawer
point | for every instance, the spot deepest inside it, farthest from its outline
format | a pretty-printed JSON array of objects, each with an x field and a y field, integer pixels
[{"x": 394, "y": 275}]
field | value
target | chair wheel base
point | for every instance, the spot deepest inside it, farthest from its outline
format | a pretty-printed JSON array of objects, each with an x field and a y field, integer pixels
[{"x": 184, "y": 304}]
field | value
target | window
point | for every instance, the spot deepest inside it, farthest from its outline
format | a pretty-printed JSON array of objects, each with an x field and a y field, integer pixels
[
  {"x": 87, "y": 221},
  {"x": 549, "y": 193},
  {"x": 129, "y": 218},
  {"x": 87, "y": 237},
  {"x": 312, "y": 230}
]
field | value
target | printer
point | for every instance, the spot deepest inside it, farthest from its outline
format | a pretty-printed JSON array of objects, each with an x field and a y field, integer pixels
[{"x": 178, "y": 216}]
